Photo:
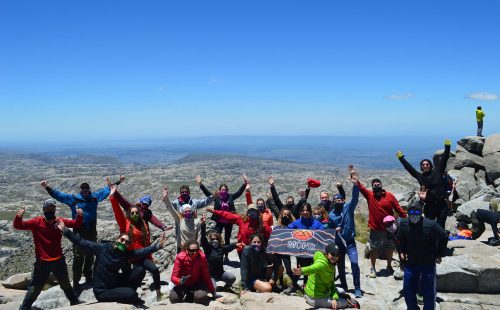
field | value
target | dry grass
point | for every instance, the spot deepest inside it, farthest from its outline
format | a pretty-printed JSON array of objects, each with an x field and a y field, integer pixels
[{"x": 362, "y": 230}]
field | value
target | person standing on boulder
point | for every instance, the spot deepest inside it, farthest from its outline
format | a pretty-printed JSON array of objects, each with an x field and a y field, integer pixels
[
  {"x": 479, "y": 118},
  {"x": 87, "y": 201},
  {"x": 381, "y": 203},
  {"x": 49, "y": 256},
  {"x": 423, "y": 243},
  {"x": 431, "y": 177}
]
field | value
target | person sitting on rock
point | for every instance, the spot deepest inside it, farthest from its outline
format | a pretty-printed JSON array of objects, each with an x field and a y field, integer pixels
[
  {"x": 111, "y": 285},
  {"x": 342, "y": 220},
  {"x": 436, "y": 207},
  {"x": 224, "y": 201},
  {"x": 191, "y": 276},
  {"x": 49, "y": 256},
  {"x": 423, "y": 243},
  {"x": 320, "y": 214},
  {"x": 285, "y": 218},
  {"x": 254, "y": 267},
  {"x": 248, "y": 224},
  {"x": 481, "y": 216},
  {"x": 289, "y": 202},
  {"x": 215, "y": 250},
  {"x": 320, "y": 291},
  {"x": 87, "y": 201},
  {"x": 136, "y": 227},
  {"x": 186, "y": 220},
  {"x": 463, "y": 232},
  {"x": 265, "y": 212}
]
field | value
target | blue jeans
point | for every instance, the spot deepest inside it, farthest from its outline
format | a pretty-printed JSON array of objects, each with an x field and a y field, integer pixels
[
  {"x": 427, "y": 276},
  {"x": 352, "y": 252}
]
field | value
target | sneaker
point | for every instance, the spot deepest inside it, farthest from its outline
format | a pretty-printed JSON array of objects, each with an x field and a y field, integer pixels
[
  {"x": 290, "y": 290},
  {"x": 358, "y": 293},
  {"x": 161, "y": 296},
  {"x": 373, "y": 273},
  {"x": 494, "y": 242},
  {"x": 389, "y": 270}
]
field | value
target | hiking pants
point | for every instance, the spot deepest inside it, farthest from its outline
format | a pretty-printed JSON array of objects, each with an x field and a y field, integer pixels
[
  {"x": 82, "y": 260},
  {"x": 125, "y": 294},
  {"x": 152, "y": 268},
  {"x": 278, "y": 260},
  {"x": 421, "y": 277},
  {"x": 196, "y": 293},
  {"x": 228, "y": 229},
  {"x": 437, "y": 211},
  {"x": 480, "y": 128},
  {"x": 39, "y": 276},
  {"x": 490, "y": 217},
  {"x": 226, "y": 277},
  {"x": 302, "y": 262},
  {"x": 352, "y": 252}
]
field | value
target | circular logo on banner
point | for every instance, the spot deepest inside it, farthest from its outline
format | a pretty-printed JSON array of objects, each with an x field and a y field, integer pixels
[{"x": 302, "y": 235}]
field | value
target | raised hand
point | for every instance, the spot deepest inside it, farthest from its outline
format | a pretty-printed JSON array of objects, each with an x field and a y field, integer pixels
[
  {"x": 399, "y": 155},
  {"x": 353, "y": 174},
  {"x": 165, "y": 193},
  {"x": 422, "y": 193},
  {"x": 245, "y": 178},
  {"x": 20, "y": 213},
  {"x": 44, "y": 183},
  {"x": 209, "y": 210},
  {"x": 447, "y": 142},
  {"x": 108, "y": 181},
  {"x": 122, "y": 178},
  {"x": 203, "y": 219},
  {"x": 338, "y": 184},
  {"x": 79, "y": 212},
  {"x": 113, "y": 189},
  {"x": 271, "y": 180},
  {"x": 198, "y": 179},
  {"x": 248, "y": 186},
  {"x": 302, "y": 194}
]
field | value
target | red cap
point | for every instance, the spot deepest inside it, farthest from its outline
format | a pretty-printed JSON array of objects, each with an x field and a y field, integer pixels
[{"x": 313, "y": 183}]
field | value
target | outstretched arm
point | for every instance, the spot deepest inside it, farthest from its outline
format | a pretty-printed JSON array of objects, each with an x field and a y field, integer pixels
[
  {"x": 60, "y": 196},
  {"x": 169, "y": 206},
  {"x": 412, "y": 171},
  {"x": 89, "y": 246},
  {"x": 444, "y": 159},
  {"x": 275, "y": 195},
  {"x": 23, "y": 225},
  {"x": 119, "y": 216},
  {"x": 248, "y": 195},
  {"x": 240, "y": 190},
  {"x": 124, "y": 203}
]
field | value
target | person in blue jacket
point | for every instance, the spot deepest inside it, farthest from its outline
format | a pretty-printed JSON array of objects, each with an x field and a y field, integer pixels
[
  {"x": 342, "y": 219},
  {"x": 306, "y": 221},
  {"x": 87, "y": 201}
]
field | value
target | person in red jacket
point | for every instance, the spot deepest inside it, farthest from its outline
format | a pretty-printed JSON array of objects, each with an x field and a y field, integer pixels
[
  {"x": 49, "y": 257},
  {"x": 267, "y": 215},
  {"x": 381, "y": 203},
  {"x": 137, "y": 228},
  {"x": 248, "y": 224},
  {"x": 191, "y": 276}
]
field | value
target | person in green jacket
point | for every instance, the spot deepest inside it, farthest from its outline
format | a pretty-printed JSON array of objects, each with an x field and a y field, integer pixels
[
  {"x": 479, "y": 118},
  {"x": 320, "y": 289}
]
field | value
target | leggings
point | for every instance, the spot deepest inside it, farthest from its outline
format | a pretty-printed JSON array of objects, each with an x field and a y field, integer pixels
[
  {"x": 226, "y": 277},
  {"x": 83, "y": 260},
  {"x": 152, "y": 268},
  {"x": 196, "y": 293},
  {"x": 228, "y": 228},
  {"x": 278, "y": 260},
  {"x": 125, "y": 294},
  {"x": 437, "y": 211}
]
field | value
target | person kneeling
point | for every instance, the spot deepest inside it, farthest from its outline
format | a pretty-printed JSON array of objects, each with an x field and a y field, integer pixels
[
  {"x": 191, "y": 276},
  {"x": 320, "y": 290},
  {"x": 253, "y": 267}
]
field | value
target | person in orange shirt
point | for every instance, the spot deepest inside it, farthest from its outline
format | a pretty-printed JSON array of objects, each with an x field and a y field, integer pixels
[{"x": 49, "y": 257}]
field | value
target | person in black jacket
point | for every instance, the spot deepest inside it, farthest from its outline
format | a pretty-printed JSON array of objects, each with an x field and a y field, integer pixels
[
  {"x": 109, "y": 284},
  {"x": 289, "y": 202},
  {"x": 224, "y": 201},
  {"x": 431, "y": 177},
  {"x": 423, "y": 243},
  {"x": 253, "y": 267},
  {"x": 214, "y": 250}
]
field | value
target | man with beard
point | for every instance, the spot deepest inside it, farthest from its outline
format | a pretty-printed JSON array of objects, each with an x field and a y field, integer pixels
[
  {"x": 49, "y": 256},
  {"x": 87, "y": 201},
  {"x": 423, "y": 243},
  {"x": 289, "y": 202},
  {"x": 380, "y": 204}
]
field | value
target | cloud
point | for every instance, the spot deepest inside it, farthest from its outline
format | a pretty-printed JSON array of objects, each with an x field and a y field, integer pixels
[
  {"x": 400, "y": 96},
  {"x": 162, "y": 88},
  {"x": 483, "y": 96},
  {"x": 215, "y": 80}
]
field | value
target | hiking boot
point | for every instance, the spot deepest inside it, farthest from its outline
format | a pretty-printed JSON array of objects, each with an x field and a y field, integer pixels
[
  {"x": 389, "y": 270},
  {"x": 358, "y": 293},
  {"x": 494, "y": 242},
  {"x": 373, "y": 273},
  {"x": 290, "y": 290}
]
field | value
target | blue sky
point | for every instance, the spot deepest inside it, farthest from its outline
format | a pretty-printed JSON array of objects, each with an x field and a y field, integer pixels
[{"x": 72, "y": 70}]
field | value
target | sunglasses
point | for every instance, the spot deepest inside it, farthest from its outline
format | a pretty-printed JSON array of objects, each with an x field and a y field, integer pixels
[
  {"x": 414, "y": 212},
  {"x": 426, "y": 164},
  {"x": 192, "y": 250},
  {"x": 134, "y": 212},
  {"x": 184, "y": 192}
]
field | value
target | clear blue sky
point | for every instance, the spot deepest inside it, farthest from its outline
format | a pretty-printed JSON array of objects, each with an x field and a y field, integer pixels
[{"x": 72, "y": 70}]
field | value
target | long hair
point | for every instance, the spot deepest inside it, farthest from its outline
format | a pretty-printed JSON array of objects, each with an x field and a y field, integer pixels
[
  {"x": 324, "y": 214},
  {"x": 139, "y": 224},
  {"x": 292, "y": 218},
  {"x": 215, "y": 234},
  {"x": 186, "y": 244}
]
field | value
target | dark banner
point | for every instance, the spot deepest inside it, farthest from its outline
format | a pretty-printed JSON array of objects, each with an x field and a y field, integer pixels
[{"x": 299, "y": 242}]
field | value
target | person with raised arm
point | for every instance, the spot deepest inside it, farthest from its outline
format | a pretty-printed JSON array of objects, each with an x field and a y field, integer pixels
[
  {"x": 186, "y": 219},
  {"x": 48, "y": 252},
  {"x": 87, "y": 201},
  {"x": 224, "y": 201},
  {"x": 265, "y": 212},
  {"x": 342, "y": 220},
  {"x": 137, "y": 228},
  {"x": 431, "y": 177},
  {"x": 289, "y": 202},
  {"x": 114, "y": 281}
]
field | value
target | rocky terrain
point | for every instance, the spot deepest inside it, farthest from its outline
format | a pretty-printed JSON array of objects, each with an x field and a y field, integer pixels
[{"x": 467, "y": 279}]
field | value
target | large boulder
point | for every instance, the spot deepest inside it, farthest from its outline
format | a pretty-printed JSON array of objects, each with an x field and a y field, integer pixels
[
  {"x": 466, "y": 182},
  {"x": 465, "y": 158},
  {"x": 272, "y": 301},
  {"x": 472, "y": 144},
  {"x": 439, "y": 153},
  {"x": 491, "y": 154},
  {"x": 473, "y": 268},
  {"x": 473, "y": 205},
  {"x": 20, "y": 281}
]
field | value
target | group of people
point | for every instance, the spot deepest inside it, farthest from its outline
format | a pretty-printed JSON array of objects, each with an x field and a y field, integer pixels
[{"x": 120, "y": 266}]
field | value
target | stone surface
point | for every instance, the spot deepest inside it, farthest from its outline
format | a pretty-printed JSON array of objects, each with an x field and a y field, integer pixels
[
  {"x": 472, "y": 144},
  {"x": 466, "y": 182},
  {"x": 492, "y": 165},
  {"x": 474, "y": 267},
  {"x": 464, "y": 158},
  {"x": 472, "y": 205},
  {"x": 18, "y": 281},
  {"x": 491, "y": 145}
]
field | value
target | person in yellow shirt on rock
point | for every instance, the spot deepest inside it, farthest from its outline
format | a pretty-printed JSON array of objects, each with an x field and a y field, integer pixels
[{"x": 479, "y": 117}]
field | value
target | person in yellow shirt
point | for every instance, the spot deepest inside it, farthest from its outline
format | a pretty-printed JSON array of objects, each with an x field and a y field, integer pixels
[{"x": 479, "y": 117}]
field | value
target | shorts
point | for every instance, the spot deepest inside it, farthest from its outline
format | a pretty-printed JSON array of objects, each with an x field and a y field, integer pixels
[{"x": 378, "y": 241}]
